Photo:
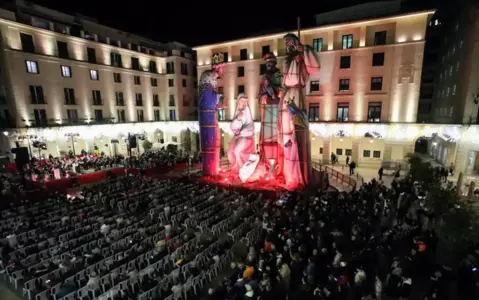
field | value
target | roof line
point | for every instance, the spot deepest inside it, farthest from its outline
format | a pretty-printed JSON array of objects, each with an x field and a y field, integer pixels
[{"x": 429, "y": 11}]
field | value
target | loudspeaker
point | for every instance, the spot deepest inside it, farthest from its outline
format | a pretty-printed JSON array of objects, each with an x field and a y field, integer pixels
[
  {"x": 132, "y": 142},
  {"x": 21, "y": 155}
]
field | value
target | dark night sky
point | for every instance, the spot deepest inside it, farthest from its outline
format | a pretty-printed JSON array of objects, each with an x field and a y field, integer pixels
[{"x": 203, "y": 22}]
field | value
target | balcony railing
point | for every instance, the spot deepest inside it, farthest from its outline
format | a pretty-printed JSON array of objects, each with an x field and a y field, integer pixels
[{"x": 37, "y": 100}]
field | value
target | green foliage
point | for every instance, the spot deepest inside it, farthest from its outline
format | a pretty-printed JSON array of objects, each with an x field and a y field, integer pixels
[
  {"x": 172, "y": 148},
  {"x": 421, "y": 171},
  {"x": 457, "y": 222},
  {"x": 147, "y": 145},
  {"x": 186, "y": 140}
]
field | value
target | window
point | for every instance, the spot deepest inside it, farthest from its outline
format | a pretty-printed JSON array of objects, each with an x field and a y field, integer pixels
[
  {"x": 314, "y": 86},
  {"x": 378, "y": 59},
  {"x": 120, "y": 116},
  {"x": 115, "y": 60},
  {"x": 221, "y": 114},
  {"x": 154, "y": 81},
  {"x": 243, "y": 54},
  {"x": 156, "y": 100},
  {"x": 366, "y": 153},
  {"x": 27, "y": 42},
  {"x": 36, "y": 95},
  {"x": 321, "y": 150},
  {"x": 348, "y": 152},
  {"x": 98, "y": 115},
  {"x": 94, "y": 75},
  {"x": 138, "y": 99},
  {"x": 117, "y": 77},
  {"x": 72, "y": 116},
  {"x": 96, "y": 97},
  {"x": 174, "y": 139},
  {"x": 376, "y": 83},
  {"x": 377, "y": 154},
  {"x": 262, "y": 69},
  {"x": 152, "y": 67},
  {"x": 225, "y": 54},
  {"x": 172, "y": 115},
  {"x": 380, "y": 38},
  {"x": 186, "y": 100},
  {"x": 119, "y": 99},
  {"x": 171, "y": 82},
  {"x": 339, "y": 151},
  {"x": 241, "y": 71},
  {"x": 40, "y": 117},
  {"x": 184, "y": 69},
  {"x": 454, "y": 90},
  {"x": 313, "y": 112},
  {"x": 32, "y": 66},
  {"x": 343, "y": 85},
  {"x": 345, "y": 62},
  {"x": 135, "y": 63},
  {"x": 343, "y": 112},
  {"x": 172, "y": 100},
  {"x": 221, "y": 90},
  {"x": 317, "y": 45},
  {"x": 374, "y": 112},
  {"x": 69, "y": 96},
  {"x": 240, "y": 89},
  {"x": 139, "y": 115},
  {"x": 62, "y": 50},
  {"x": 453, "y": 50},
  {"x": 347, "y": 41},
  {"x": 264, "y": 50},
  {"x": 156, "y": 115},
  {"x": 66, "y": 71},
  {"x": 183, "y": 82},
  {"x": 170, "y": 67},
  {"x": 136, "y": 79},
  {"x": 91, "y": 55}
]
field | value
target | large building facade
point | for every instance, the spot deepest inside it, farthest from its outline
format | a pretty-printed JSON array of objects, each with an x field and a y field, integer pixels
[
  {"x": 64, "y": 75},
  {"x": 370, "y": 76}
]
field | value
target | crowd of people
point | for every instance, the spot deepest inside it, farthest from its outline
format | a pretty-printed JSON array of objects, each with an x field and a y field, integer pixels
[
  {"x": 138, "y": 238},
  {"x": 68, "y": 165},
  {"x": 373, "y": 243}
]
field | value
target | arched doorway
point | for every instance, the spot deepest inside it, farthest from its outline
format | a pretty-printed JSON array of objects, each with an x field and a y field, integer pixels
[{"x": 421, "y": 145}]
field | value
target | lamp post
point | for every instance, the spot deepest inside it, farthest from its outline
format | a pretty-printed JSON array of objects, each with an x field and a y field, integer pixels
[
  {"x": 23, "y": 137},
  {"x": 71, "y": 136}
]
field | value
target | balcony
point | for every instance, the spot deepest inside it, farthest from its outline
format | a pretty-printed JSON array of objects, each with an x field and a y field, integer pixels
[
  {"x": 38, "y": 100},
  {"x": 60, "y": 28}
]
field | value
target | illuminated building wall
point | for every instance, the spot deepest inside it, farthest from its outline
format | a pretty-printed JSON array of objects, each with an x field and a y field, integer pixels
[
  {"x": 400, "y": 72},
  {"x": 88, "y": 49}
]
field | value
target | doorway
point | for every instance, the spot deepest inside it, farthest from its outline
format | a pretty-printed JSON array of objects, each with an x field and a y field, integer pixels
[{"x": 473, "y": 163}]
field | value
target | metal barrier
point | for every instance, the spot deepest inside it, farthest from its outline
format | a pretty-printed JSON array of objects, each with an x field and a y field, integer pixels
[{"x": 340, "y": 177}]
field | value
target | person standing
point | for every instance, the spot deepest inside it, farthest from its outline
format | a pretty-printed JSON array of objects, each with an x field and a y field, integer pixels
[
  {"x": 451, "y": 169},
  {"x": 380, "y": 173},
  {"x": 347, "y": 160},
  {"x": 352, "y": 166}
]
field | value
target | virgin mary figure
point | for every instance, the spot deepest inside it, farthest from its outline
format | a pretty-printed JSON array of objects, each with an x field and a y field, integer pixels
[{"x": 242, "y": 143}]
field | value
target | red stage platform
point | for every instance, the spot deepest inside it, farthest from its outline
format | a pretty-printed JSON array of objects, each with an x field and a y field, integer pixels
[{"x": 226, "y": 179}]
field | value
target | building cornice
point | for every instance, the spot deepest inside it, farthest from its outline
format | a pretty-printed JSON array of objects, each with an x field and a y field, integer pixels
[
  {"x": 17, "y": 25},
  {"x": 313, "y": 29}
]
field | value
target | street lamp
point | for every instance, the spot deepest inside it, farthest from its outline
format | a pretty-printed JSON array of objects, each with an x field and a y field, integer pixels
[
  {"x": 71, "y": 136},
  {"x": 28, "y": 138}
]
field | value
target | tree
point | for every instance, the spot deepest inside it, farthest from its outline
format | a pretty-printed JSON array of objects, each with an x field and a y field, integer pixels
[
  {"x": 457, "y": 222},
  {"x": 147, "y": 145},
  {"x": 186, "y": 136}
]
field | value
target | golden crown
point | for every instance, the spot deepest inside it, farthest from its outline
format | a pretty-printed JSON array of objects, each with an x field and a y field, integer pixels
[{"x": 217, "y": 58}]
